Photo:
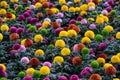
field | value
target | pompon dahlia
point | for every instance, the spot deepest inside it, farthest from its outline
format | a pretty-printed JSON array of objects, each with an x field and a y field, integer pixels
[
  {"x": 16, "y": 46},
  {"x": 102, "y": 55},
  {"x": 111, "y": 70},
  {"x": 27, "y": 78},
  {"x": 74, "y": 77},
  {"x": 44, "y": 70},
  {"x": 25, "y": 60},
  {"x": 46, "y": 79},
  {"x": 13, "y": 29},
  {"x": 55, "y": 25},
  {"x": 34, "y": 62},
  {"x": 76, "y": 60},
  {"x": 28, "y": 42},
  {"x": 62, "y": 78},
  {"x": 102, "y": 46},
  {"x": 84, "y": 73},
  {"x": 45, "y": 5},
  {"x": 49, "y": 12},
  {"x": 14, "y": 36},
  {"x": 95, "y": 77},
  {"x": 47, "y": 64}
]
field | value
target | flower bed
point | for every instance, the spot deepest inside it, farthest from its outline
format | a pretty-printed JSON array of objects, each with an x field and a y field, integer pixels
[{"x": 59, "y": 39}]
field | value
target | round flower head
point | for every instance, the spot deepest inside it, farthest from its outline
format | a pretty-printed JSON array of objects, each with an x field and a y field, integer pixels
[
  {"x": 26, "y": 14},
  {"x": 85, "y": 40},
  {"x": 38, "y": 25},
  {"x": 47, "y": 19},
  {"x": 76, "y": 60},
  {"x": 4, "y": 27},
  {"x": 106, "y": 4},
  {"x": 39, "y": 52},
  {"x": 29, "y": 11},
  {"x": 103, "y": 55},
  {"x": 69, "y": 3},
  {"x": 1, "y": 37},
  {"x": 85, "y": 51},
  {"x": 65, "y": 51},
  {"x": 105, "y": 12},
  {"x": 30, "y": 71},
  {"x": 111, "y": 70},
  {"x": 14, "y": 36},
  {"x": 13, "y": 52},
  {"x": 83, "y": 21},
  {"x": 27, "y": 78},
  {"x": 21, "y": 74},
  {"x": 36, "y": 74},
  {"x": 101, "y": 60},
  {"x": 58, "y": 30},
  {"x": 59, "y": 20},
  {"x": 32, "y": 7},
  {"x": 22, "y": 48},
  {"x": 28, "y": 42},
  {"x": 38, "y": 5},
  {"x": 44, "y": 70},
  {"x": 75, "y": 48},
  {"x": 34, "y": 62},
  {"x": 72, "y": 33},
  {"x": 102, "y": 46},
  {"x": 60, "y": 15},
  {"x": 60, "y": 43},
  {"x": 25, "y": 60},
  {"x": 3, "y": 67},
  {"x": 89, "y": 34},
  {"x": 109, "y": 28},
  {"x": 118, "y": 35},
  {"x": 47, "y": 64},
  {"x": 95, "y": 77},
  {"x": 46, "y": 79},
  {"x": 20, "y": 30},
  {"x": 4, "y": 74},
  {"x": 94, "y": 64},
  {"x": 62, "y": 78},
  {"x": 111, "y": 2},
  {"x": 58, "y": 59},
  {"x": 38, "y": 38},
  {"x": 73, "y": 21},
  {"x": 115, "y": 59},
  {"x": 16, "y": 46},
  {"x": 13, "y": 29},
  {"x": 84, "y": 73},
  {"x": 99, "y": 20},
  {"x": 51, "y": 5},
  {"x": 105, "y": 32},
  {"x": 99, "y": 38},
  {"x": 21, "y": 17},
  {"x": 15, "y": 5},
  {"x": 79, "y": 18},
  {"x": 89, "y": 69},
  {"x": 55, "y": 25},
  {"x": 74, "y": 77},
  {"x": 91, "y": 8},
  {"x": 108, "y": 9},
  {"x": 63, "y": 34}
]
